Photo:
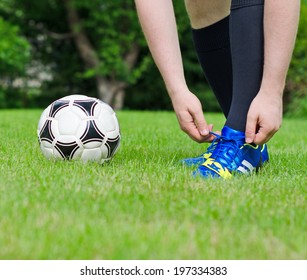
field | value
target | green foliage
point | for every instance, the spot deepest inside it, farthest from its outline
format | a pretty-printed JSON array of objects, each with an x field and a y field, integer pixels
[
  {"x": 14, "y": 56},
  {"x": 44, "y": 23},
  {"x": 114, "y": 30},
  {"x": 14, "y": 50},
  {"x": 296, "y": 89},
  {"x": 144, "y": 205}
]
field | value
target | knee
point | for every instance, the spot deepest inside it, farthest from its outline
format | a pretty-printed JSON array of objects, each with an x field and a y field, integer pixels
[{"x": 203, "y": 13}]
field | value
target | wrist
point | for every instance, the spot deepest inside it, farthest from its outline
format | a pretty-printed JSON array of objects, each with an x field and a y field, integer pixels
[
  {"x": 273, "y": 80},
  {"x": 274, "y": 87},
  {"x": 176, "y": 89}
]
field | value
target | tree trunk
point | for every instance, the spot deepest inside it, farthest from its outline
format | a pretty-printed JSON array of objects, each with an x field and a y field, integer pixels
[
  {"x": 119, "y": 99},
  {"x": 84, "y": 46},
  {"x": 109, "y": 91}
]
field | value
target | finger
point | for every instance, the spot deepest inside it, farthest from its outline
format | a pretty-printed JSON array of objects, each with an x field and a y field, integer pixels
[
  {"x": 262, "y": 136},
  {"x": 201, "y": 123},
  {"x": 250, "y": 130},
  {"x": 194, "y": 134},
  {"x": 192, "y": 131},
  {"x": 210, "y": 126},
  {"x": 188, "y": 125},
  {"x": 210, "y": 137}
]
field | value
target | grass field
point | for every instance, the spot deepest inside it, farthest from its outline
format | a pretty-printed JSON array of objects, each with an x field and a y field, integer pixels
[{"x": 144, "y": 205}]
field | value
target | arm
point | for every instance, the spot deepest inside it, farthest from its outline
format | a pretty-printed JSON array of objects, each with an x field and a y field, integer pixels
[
  {"x": 159, "y": 26},
  {"x": 280, "y": 27}
]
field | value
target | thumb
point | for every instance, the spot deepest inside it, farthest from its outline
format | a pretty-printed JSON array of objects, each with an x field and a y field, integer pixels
[
  {"x": 250, "y": 130},
  {"x": 201, "y": 123}
]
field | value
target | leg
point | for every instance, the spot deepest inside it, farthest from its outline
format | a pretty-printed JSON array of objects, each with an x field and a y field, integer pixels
[
  {"x": 231, "y": 154},
  {"x": 247, "y": 44},
  {"x": 210, "y": 29}
]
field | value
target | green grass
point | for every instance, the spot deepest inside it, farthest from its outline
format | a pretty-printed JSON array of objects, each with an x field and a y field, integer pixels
[{"x": 144, "y": 205}]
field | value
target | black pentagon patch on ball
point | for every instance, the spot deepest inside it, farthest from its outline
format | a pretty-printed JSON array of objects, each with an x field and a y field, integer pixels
[
  {"x": 66, "y": 150},
  {"x": 46, "y": 133},
  {"x": 87, "y": 106},
  {"x": 92, "y": 133},
  {"x": 56, "y": 106},
  {"x": 112, "y": 144}
]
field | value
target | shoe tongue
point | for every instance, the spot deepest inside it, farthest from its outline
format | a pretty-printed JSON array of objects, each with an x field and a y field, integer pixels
[
  {"x": 233, "y": 134},
  {"x": 227, "y": 149}
]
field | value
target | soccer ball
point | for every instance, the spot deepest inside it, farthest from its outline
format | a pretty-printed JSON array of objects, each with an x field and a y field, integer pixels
[{"x": 79, "y": 127}]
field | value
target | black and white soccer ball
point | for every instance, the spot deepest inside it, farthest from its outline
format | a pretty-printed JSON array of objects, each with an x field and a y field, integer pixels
[{"x": 79, "y": 127}]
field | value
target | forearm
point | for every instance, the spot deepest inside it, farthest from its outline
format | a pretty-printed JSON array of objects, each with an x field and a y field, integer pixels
[
  {"x": 159, "y": 26},
  {"x": 280, "y": 27}
]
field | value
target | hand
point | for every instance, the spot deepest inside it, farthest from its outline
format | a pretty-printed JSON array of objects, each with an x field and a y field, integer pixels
[
  {"x": 264, "y": 117},
  {"x": 190, "y": 116}
]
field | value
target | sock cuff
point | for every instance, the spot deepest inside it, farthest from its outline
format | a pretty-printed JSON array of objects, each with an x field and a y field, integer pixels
[
  {"x": 235, "y": 4},
  {"x": 212, "y": 37}
]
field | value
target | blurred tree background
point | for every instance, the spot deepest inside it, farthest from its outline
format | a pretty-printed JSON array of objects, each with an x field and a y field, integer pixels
[{"x": 53, "y": 48}]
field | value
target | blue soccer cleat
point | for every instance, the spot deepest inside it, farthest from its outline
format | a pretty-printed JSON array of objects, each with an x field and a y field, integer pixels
[
  {"x": 201, "y": 158},
  {"x": 231, "y": 155},
  {"x": 196, "y": 161},
  {"x": 264, "y": 154}
]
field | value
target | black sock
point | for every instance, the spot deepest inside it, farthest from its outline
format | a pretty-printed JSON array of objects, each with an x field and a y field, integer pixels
[
  {"x": 212, "y": 45},
  {"x": 247, "y": 44}
]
